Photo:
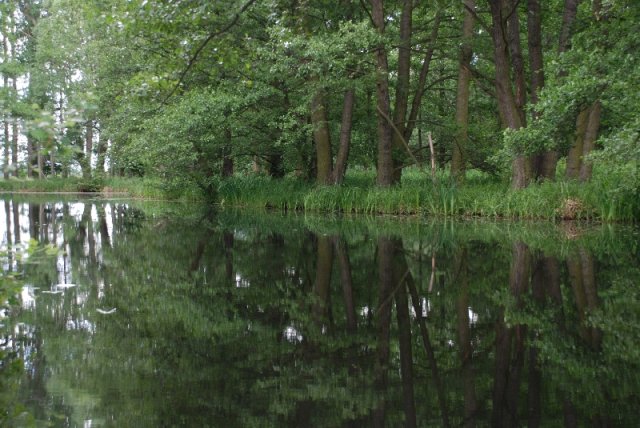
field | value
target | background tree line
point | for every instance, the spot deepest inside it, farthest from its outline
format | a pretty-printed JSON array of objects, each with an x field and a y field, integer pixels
[{"x": 191, "y": 91}]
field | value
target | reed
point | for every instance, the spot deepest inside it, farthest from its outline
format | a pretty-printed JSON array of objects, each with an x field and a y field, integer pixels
[{"x": 418, "y": 194}]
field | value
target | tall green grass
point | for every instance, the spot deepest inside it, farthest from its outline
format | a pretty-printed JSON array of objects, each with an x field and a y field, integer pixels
[{"x": 418, "y": 194}]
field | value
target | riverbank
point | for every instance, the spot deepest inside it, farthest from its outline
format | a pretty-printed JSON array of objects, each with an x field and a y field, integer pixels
[
  {"x": 419, "y": 195},
  {"x": 481, "y": 196},
  {"x": 130, "y": 187}
]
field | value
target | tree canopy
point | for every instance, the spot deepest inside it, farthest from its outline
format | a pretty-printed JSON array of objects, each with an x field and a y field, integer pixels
[{"x": 195, "y": 91}]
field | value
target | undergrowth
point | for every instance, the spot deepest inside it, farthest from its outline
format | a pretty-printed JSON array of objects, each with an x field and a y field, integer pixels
[{"x": 418, "y": 194}]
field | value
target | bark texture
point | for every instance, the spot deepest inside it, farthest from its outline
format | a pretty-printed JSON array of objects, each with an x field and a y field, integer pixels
[{"x": 458, "y": 155}]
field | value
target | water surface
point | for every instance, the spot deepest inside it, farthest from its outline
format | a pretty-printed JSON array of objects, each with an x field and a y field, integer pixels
[{"x": 152, "y": 315}]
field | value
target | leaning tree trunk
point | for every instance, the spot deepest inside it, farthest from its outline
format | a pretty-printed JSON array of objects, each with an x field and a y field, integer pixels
[{"x": 458, "y": 161}]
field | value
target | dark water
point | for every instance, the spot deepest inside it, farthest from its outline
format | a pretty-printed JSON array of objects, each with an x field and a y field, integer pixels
[{"x": 164, "y": 315}]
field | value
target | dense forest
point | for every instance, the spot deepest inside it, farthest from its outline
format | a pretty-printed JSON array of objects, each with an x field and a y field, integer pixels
[{"x": 192, "y": 92}]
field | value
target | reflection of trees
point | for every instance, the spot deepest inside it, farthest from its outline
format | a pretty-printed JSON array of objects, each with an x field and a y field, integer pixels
[{"x": 243, "y": 325}]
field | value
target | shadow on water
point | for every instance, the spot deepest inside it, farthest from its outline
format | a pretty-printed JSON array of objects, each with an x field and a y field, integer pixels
[{"x": 165, "y": 315}]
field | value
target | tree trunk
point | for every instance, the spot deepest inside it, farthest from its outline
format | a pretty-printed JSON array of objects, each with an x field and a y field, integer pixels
[
  {"x": 507, "y": 106},
  {"x": 227, "y": 160},
  {"x": 322, "y": 138},
  {"x": 102, "y": 155},
  {"x": 40, "y": 160},
  {"x": 402, "y": 87},
  {"x": 86, "y": 170},
  {"x": 458, "y": 161},
  {"x": 422, "y": 78},
  {"x": 29, "y": 156},
  {"x": 5, "y": 58},
  {"x": 544, "y": 163},
  {"x": 517, "y": 61},
  {"x": 589, "y": 142},
  {"x": 346, "y": 125},
  {"x": 574, "y": 158},
  {"x": 385, "y": 142},
  {"x": 568, "y": 18},
  {"x": 14, "y": 133}
]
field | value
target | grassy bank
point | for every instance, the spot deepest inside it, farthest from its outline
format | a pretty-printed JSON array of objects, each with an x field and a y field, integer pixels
[
  {"x": 481, "y": 196},
  {"x": 129, "y": 187},
  {"x": 418, "y": 195}
]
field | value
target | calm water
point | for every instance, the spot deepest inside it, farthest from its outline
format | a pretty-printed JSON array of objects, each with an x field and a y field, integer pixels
[{"x": 160, "y": 315}]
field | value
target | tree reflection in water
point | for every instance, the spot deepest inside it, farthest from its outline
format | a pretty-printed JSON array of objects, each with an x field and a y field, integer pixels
[{"x": 249, "y": 320}]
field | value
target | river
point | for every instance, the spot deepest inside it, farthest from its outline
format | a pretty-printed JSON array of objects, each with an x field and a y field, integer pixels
[{"x": 155, "y": 314}]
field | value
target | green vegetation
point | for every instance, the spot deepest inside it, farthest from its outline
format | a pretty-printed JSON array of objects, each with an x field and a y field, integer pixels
[
  {"x": 113, "y": 186},
  {"x": 228, "y": 318},
  {"x": 417, "y": 194},
  {"x": 203, "y": 100}
]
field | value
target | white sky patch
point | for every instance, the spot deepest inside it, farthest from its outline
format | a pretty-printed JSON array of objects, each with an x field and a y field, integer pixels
[
  {"x": 242, "y": 282},
  {"x": 292, "y": 335}
]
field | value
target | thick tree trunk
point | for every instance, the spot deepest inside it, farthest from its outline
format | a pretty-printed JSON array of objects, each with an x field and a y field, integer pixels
[
  {"x": 509, "y": 113},
  {"x": 458, "y": 155},
  {"x": 568, "y": 18},
  {"x": 544, "y": 163},
  {"x": 574, "y": 158},
  {"x": 385, "y": 142},
  {"x": 276, "y": 167},
  {"x": 102, "y": 156},
  {"x": 589, "y": 141},
  {"x": 322, "y": 138},
  {"x": 346, "y": 125},
  {"x": 402, "y": 87},
  {"x": 517, "y": 60}
]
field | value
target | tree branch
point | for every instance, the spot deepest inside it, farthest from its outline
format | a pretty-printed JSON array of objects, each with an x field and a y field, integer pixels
[
  {"x": 483, "y": 24},
  {"x": 206, "y": 41}
]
